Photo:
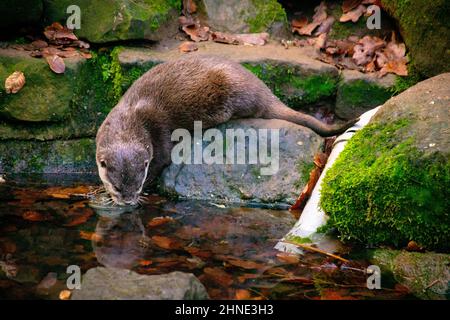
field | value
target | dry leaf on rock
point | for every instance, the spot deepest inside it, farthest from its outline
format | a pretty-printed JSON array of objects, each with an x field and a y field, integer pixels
[
  {"x": 349, "y": 5},
  {"x": 364, "y": 51},
  {"x": 299, "y": 22},
  {"x": 14, "y": 82},
  {"x": 188, "y": 46},
  {"x": 56, "y": 63},
  {"x": 353, "y": 15},
  {"x": 325, "y": 27},
  {"x": 319, "y": 17}
]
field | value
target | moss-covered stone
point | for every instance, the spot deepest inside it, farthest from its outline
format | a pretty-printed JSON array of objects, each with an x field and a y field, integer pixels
[
  {"x": 104, "y": 20},
  {"x": 391, "y": 183},
  {"x": 293, "y": 86},
  {"x": 242, "y": 16},
  {"x": 59, "y": 156},
  {"x": 357, "y": 96},
  {"x": 426, "y": 275},
  {"x": 45, "y": 96},
  {"x": 424, "y": 26}
]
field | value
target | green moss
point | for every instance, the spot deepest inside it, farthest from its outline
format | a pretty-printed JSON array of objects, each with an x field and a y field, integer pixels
[
  {"x": 104, "y": 21},
  {"x": 304, "y": 168},
  {"x": 360, "y": 95},
  {"x": 423, "y": 23},
  {"x": 299, "y": 240},
  {"x": 45, "y": 96},
  {"x": 382, "y": 191},
  {"x": 293, "y": 87},
  {"x": 267, "y": 12}
]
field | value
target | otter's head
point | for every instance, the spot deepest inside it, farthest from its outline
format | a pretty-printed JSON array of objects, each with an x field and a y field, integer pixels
[{"x": 123, "y": 170}]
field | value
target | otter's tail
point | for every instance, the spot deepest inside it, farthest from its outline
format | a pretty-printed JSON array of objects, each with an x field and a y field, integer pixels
[{"x": 280, "y": 111}]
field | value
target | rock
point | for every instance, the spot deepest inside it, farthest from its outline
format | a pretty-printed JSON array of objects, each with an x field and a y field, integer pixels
[
  {"x": 358, "y": 93},
  {"x": 59, "y": 156},
  {"x": 244, "y": 16},
  {"x": 426, "y": 275},
  {"x": 391, "y": 183},
  {"x": 23, "y": 13},
  {"x": 422, "y": 25},
  {"x": 244, "y": 182},
  {"x": 105, "y": 21},
  {"x": 45, "y": 97},
  {"x": 120, "y": 284}
]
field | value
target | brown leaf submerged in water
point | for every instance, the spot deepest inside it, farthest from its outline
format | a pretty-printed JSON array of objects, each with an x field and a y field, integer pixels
[
  {"x": 15, "y": 82},
  {"x": 219, "y": 276},
  {"x": 155, "y": 222},
  {"x": 166, "y": 243}
]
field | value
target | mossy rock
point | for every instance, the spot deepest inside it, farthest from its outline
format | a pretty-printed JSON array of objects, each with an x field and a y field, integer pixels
[
  {"x": 106, "y": 20},
  {"x": 45, "y": 96},
  {"x": 391, "y": 184},
  {"x": 82, "y": 96},
  {"x": 19, "y": 14},
  {"x": 59, "y": 156},
  {"x": 358, "y": 96},
  {"x": 243, "y": 16},
  {"x": 295, "y": 87},
  {"x": 424, "y": 26},
  {"x": 426, "y": 275}
]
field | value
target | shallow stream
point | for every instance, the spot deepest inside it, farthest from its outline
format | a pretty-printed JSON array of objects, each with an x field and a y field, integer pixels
[{"x": 47, "y": 225}]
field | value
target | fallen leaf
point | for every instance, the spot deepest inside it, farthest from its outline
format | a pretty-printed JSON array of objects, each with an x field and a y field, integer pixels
[
  {"x": 364, "y": 50},
  {"x": 159, "y": 221},
  {"x": 319, "y": 17},
  {"x": 299, "y": 22},
  {"x": 67, "y": 193},
  {"x": 80, "y": 219},
  {"x": 91, "y": 236},
  {"x": 257, "y": 39},
  {"x": 242, "y": 294},
  {"x": 56, "y": 63},
  {"x": 65, "y": 294},
  {"x": 353, "y": 15},
  {"x": 349, "y": 5},
  {"x": 321, "y": 41},
  {"x": 198, "y": 252},
  {"x": 196, "y": 32},
  {"x": 34, "y": 216},
  {"x": 325, "y": 26},
  {"x": 244, "y": 264},
  {"x": 14, "y": 82},
  {"x": 288, "y": 258},
  {"x": 166, "y": 242},
  {"x": 188, "y": 46},
  {"x": 39, "y": 44},
  {"x": 219, "y": 276}
]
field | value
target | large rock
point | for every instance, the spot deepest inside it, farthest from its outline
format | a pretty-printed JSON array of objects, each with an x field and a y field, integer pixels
[
  {"x": 424, "y": 27},
  {"x": 58, "y": 156},
  {"x": 244, "y": 182},
  {"x": 45, "y": 97},
  {"x": 426, "y": 275},
  {"x": 391, "y": 184},
  {"x": 243, "y": 16},
  {"x": 120, "y": 284},
  {"x": 113, "y": 20}
]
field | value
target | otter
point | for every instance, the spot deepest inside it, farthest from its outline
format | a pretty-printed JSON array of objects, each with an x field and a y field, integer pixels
[{"x": 134, "y": 141}]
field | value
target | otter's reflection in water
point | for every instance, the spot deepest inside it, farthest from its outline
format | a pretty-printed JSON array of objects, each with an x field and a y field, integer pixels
[{"x": 120, "y": 241}]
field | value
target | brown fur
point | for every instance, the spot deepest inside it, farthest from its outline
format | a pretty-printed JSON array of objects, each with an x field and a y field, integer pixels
[{"x": 175, "y": 94}]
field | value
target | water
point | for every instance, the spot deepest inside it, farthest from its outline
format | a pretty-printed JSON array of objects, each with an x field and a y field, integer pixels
[{"x": 46, "y": 224}]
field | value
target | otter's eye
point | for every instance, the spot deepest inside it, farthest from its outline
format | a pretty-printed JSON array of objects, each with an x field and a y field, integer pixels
[
  {"x": 146, "y": 162},
  {"x": 103, "y": 163}
]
